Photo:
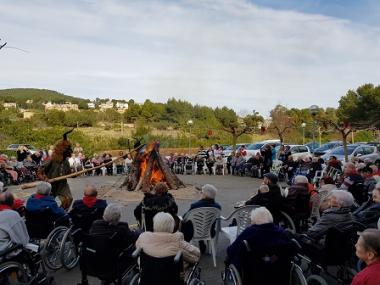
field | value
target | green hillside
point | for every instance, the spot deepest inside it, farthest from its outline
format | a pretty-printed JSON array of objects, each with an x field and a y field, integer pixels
[{"x": 39, "y": 96}]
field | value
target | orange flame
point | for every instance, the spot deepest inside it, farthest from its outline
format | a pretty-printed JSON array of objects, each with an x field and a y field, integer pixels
[{"x": 157, "y": 175}]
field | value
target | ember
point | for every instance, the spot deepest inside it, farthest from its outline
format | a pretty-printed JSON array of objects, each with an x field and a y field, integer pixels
[{"x": 148, "y": 169}]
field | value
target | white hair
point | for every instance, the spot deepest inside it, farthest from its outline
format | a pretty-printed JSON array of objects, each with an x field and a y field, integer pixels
[
  {"x": 44, "y": 188},
  {"x": 261, "y": 216},
  {"x": 301, "y": 179},
  {"x": 209, "y": 191},
  {"x": 1, "y": 186},
  {"x": 112, "y": 214},
  {"x": 163, "y": 223},
  {"x": 343, "y": 198}
]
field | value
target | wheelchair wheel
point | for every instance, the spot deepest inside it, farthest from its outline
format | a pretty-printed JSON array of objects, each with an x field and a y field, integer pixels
[
  {"x": 316, "y": 280},
  {"x": 286, "y": 222},
  {"x": 232, "y": 276},
  {"x": 51, "y": 251},
  {"x": 68, "y": 252},
  {"x": 13, "y": 273},
  {"x": 296, "y": 276},
  {"x": 135, "y": 279}
]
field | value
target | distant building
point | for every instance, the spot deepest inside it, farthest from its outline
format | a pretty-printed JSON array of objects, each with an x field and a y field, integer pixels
[
  {"x": 105, "y": 106},
  {"x": 27, "y": 114},
  {"x": 121, "y": 107},
  {"x": 61, "y": 107},
  {"x": 9, "y": 105},
  {"x": 91, "y": 105},
  {"x": 30, "y": 101}
]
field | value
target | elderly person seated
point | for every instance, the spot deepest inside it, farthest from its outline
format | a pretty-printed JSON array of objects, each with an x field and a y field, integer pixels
[
  {"x": 42, "y": 200},
  {"x": 12, "y": 226},
  {"x": 269, "y": 244},
  {"x": 369, "y": 213},
  {"x": 162, "y": 242},
  {"x": 298, "y": 197},
  {"x": 87, "y": 209},
  {"x": 110, "y": 226},
  {"x": 351, "y": 179},
  {"x": 369, "y": 181},
  {"x": 271, "y": 199},
  {"x": 340, "y": 203},
  {"x": 368, "y": 250},
  {"x": 158, "y": 201},
  {"x": 208, "y": 195}
]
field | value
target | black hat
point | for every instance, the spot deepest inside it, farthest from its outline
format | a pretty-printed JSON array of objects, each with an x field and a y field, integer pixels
[{"x": 272, "y": 177}]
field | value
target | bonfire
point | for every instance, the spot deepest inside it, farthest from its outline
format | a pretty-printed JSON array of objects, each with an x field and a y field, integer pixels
[{"x": 148, "y": 169}]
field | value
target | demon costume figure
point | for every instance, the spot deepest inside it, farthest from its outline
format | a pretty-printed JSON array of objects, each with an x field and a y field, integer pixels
[{"x": 57, "y": 166}]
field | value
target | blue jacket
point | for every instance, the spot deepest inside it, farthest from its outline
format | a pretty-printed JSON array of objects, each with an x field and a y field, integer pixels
[
  {"x": 205, "y": 203},
  {"x": 261, "y": 238},
  {"x": 33, "y": 205}
]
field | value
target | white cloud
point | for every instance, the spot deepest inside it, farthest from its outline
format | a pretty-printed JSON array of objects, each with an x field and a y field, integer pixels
[{"x": 215, "y": 53}]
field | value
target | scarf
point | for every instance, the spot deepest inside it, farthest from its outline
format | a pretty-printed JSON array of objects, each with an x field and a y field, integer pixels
[
  {"x": 38, "y": 196},
  {"x": 89, "y": 201},
  {"x": 4, "y": 207}
]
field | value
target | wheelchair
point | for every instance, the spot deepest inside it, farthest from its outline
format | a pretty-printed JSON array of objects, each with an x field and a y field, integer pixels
[
  {"x": 338, "y": 251},
  {"x": 80, "y": 224},
  {"x": 264, "y": 268},
  {"x": 189, "y": 167},
  {"x": 47, "y": 232},
  {"x": 164, "y": 270},
  {"x": 23, "y": 265},
  {"x": 100, "y": 257}
]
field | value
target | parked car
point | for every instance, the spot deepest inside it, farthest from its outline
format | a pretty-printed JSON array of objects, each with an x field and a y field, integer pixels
[
  {"x": 363, "y": 151},
  {"x": 254, "y": 148},
  {"x": 327, "y": 147},
  {"x": 15, "y": 146},
  {"x": 299, "y": 151},
  {"x": 312, "y": 146},
  {"x": 228, "y": 151}
]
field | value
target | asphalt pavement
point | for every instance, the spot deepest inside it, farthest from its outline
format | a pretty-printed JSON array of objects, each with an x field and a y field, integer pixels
[{"x": 230, "y": 190}]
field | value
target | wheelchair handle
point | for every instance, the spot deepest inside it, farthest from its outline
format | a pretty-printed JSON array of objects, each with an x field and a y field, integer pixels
[
  {"x": 178, "y": 256},
  {"x": 136, "y": 252}
]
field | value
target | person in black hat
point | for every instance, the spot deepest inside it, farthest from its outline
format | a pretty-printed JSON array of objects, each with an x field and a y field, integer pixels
[{"x": 269, "y": 196}]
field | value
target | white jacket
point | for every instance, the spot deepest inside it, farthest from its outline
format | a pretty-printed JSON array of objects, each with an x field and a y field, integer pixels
[{"x": 167, "y": 244}]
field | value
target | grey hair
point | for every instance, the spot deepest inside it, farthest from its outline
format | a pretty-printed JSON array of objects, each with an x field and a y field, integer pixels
[
  {"x": 344, "y": 198},
  {"x": 371, "y": 239},
  {"x": 261, "y": 216},
  {"x": 112, "y": 214},
  {"x": 44, "y": 188},
  {"x": 301, "y": 179},
  {"x": 163, "y": 223},
  {"x": 209, "y": 191}
]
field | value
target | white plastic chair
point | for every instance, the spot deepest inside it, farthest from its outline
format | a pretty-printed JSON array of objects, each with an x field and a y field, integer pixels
[
  {"x": 242, "y": 216},
  {"x": 203, "y": 219}
]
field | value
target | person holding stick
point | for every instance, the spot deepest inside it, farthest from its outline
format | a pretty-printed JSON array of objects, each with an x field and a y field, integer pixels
[{"x": 58, "y": 166}]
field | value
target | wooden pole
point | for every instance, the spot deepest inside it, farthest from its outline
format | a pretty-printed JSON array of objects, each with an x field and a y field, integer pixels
[{"x": 34, "y": 184}]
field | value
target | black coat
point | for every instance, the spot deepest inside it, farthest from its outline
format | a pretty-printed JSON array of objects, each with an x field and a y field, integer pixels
[
  {"x": 83, "y": 216},
  {"x": 152, "y": 205},
  {"x": 122, "y": 236},
  {"x": 272, "y": 200}
]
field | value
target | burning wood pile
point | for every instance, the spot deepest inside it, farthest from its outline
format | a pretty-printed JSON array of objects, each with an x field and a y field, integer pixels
[{"x": 148, "y": 169}]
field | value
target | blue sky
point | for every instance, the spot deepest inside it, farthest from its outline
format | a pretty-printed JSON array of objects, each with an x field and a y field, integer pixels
[
  {"x": 360, "y": 11},
  {"x": 247, "y": 55}
]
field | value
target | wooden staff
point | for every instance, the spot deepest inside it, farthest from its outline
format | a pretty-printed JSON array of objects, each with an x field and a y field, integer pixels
[{"x": 34, "y": 184}]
